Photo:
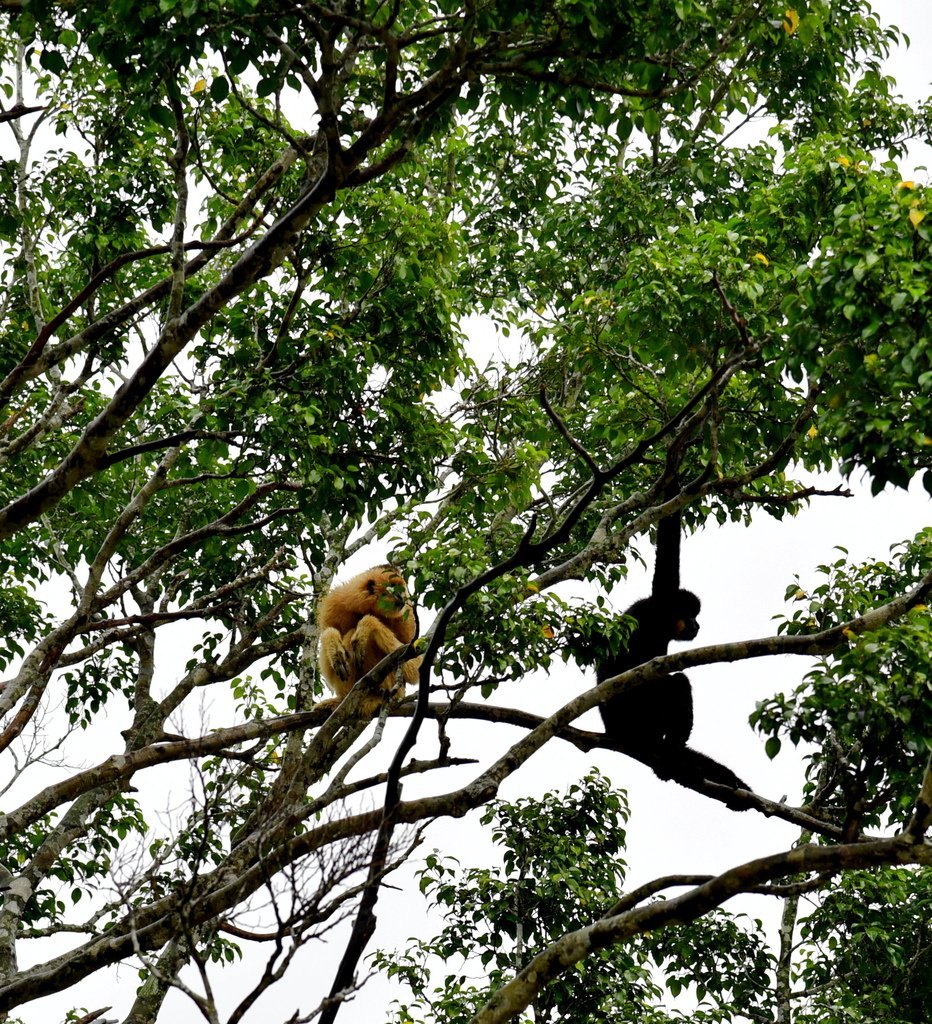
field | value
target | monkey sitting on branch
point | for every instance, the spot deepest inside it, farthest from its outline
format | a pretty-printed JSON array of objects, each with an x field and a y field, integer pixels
[
  {"x": 652, "y": 722},
  {"x": 361, "y": 622}
]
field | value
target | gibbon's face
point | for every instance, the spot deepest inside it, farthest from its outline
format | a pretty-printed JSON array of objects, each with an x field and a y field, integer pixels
[
  {"x": 685, "y": 626},
  {"x": 391, "y": 596},
  {"x": 685, "y": 629}
]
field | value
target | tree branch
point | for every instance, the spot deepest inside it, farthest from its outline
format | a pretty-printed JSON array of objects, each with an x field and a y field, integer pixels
[{"x": 568, "y": 950}]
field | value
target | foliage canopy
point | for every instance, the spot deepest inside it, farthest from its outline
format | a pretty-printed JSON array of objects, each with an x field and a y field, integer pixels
[{"x": 242, "y": 244}]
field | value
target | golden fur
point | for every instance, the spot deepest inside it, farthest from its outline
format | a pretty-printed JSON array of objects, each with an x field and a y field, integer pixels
[{"x": 361, "y": 621}]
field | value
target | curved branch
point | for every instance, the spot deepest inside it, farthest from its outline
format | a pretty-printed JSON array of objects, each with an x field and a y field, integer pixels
[
  {"x": 584, "y": 740},
  {"x": 570, "y": 949}
]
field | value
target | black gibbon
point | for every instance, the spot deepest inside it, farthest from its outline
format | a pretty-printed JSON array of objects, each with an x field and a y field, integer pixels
[
  {"x": 652, "y": 722},
  {"x": 361, "y": 621}
]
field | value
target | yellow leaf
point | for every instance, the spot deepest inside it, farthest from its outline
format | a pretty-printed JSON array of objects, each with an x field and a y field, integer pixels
[
  {"x": 920, "y": 607},
  {"x": 534, "y": 588},
  {"x": 812, "y": 432},
  {"x": 762, "y": 258},
  {"x": 850, "y": 634},
  {"x": 800, "y": 595},
  {"x": 547, "y": 632},
  {"x": 790, "y": 21},
  {"x": 906, "y": 184},
  {"x": 199, "y": 86},
  {"x": 844, "y": 161},
  {"x": 916, "y": 217}
]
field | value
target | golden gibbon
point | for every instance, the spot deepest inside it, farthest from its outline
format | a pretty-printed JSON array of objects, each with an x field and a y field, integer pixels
[{"x": 361, "y": 621}]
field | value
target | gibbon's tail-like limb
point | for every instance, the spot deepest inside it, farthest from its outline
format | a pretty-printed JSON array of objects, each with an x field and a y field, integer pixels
[
  {"x": 687, "y": 766},
  {"x": 685, "y": 763},
  {"x": 361, "y": 621}
]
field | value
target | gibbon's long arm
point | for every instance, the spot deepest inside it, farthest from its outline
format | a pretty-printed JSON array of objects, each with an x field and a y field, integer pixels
[{"x": 667, "y": 557}]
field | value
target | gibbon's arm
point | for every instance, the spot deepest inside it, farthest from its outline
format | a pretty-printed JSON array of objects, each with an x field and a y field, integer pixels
[{"x": 667, "y": 557}]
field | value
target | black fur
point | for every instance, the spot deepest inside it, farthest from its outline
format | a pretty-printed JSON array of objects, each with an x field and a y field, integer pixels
[{"x": 653, "y": 721}]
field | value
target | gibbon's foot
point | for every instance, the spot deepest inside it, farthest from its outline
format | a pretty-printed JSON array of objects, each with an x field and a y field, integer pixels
[
  {"x": 360, "y": 650},
  {"x": 411, "y": 670},
  {"x": 736, "y": 802},
  {"x": 368, "y": 708},
  {"x": 340, "y": 663},
  {"x": 686, "y": 763}
]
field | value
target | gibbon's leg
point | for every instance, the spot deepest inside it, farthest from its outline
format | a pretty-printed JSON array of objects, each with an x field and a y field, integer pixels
[
  {"x": 671, "y": 758},
  {"x": 372, "y": 641},
  {"x": 687, "y": 766},
  {"x": 335, "y": 664},
  {"x": 675, "y": 698},
  {"x": 653, "y": 722}
]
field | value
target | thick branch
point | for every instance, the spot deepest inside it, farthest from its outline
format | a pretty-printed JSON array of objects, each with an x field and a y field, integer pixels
[{"x": 517, "y": 994}]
